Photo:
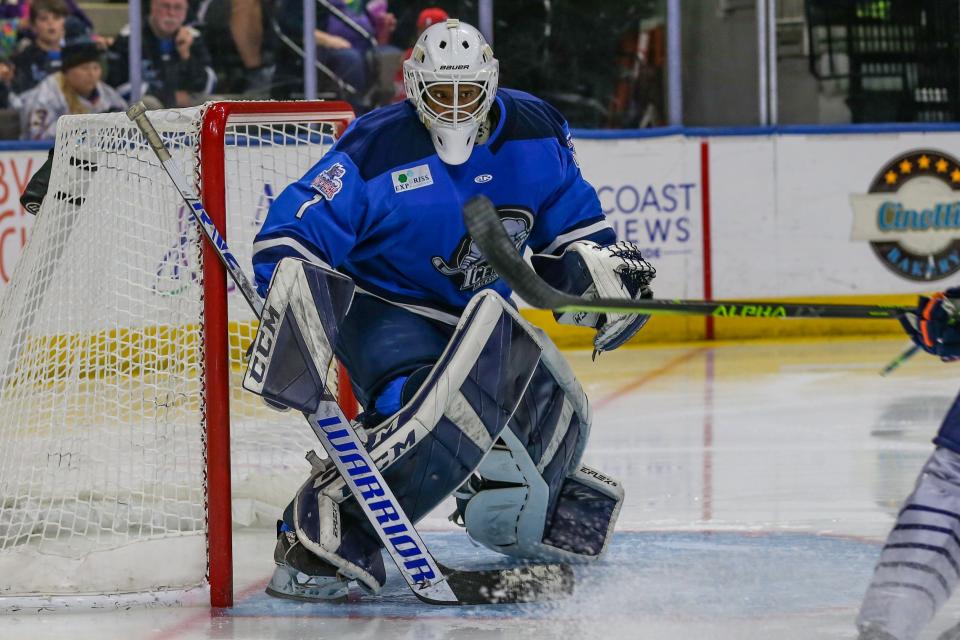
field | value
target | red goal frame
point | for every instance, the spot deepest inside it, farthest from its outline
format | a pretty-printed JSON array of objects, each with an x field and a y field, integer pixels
[{"x": 216, "y": 362}]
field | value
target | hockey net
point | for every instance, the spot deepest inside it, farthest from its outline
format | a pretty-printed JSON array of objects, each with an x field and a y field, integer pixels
[{"x": 125, "y": 436}]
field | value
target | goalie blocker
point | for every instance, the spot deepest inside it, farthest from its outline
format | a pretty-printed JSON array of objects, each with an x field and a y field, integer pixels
[{"x": 499, "y": 419}]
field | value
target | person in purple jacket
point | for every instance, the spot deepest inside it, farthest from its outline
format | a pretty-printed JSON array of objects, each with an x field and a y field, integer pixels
[{"x": 346, "y": 33}]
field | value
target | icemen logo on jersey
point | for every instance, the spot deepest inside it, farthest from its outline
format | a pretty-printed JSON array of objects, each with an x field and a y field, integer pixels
[
  {"x": 467, "y": 266},
  {"x": 328, "y": 181},
  {"x": 412, "y": 178}
]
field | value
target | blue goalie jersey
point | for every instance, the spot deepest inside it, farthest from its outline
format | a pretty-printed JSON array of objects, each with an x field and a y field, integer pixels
[{"x": 383, "y": 208}]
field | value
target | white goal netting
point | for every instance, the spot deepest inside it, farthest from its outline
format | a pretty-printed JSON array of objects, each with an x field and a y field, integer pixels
[{"x": 102, "y": 433}]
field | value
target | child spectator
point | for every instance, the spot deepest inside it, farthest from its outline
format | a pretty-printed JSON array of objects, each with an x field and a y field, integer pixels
[
  {"x": 75, "y": 89},
  {"x": 42, "y": 57},
  {"x": 176, "y": 63}
]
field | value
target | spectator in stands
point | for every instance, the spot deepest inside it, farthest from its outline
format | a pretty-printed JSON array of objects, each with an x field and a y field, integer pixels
[
  {"x": 229, "y": 25},
  {"x": 427, "y": 17},
  {"x": 9, "y": 126},
  {"x": 176, "y": 63},
  {"x": 9, "y": 36},
  {"x": 346, "y": 31},
  {"x": 75, "y": 89},
  {"x": 42, "y": 56},
  {"x": 16, "y": 30}
]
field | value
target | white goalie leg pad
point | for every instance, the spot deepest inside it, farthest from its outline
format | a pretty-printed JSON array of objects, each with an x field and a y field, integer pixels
[
  {"x": 298, "y": 327},
  {"x": 534, "y": 499},
  {"x": 523, "y": 521},
  {"x": 553, "y": 362},
  {"x": 481, "y": 358}
]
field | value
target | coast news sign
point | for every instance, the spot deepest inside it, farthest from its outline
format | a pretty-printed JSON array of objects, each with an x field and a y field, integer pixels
[{"x": 911, "y": 215}]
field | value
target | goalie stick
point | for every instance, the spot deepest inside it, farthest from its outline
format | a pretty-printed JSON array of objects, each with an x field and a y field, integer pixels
[
  {"x": 485, "y": 227},
  {"x": 430, "y": 581}
]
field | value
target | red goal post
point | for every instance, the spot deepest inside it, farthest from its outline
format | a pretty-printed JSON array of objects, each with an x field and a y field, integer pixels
[{"x": 215, "y": 128}]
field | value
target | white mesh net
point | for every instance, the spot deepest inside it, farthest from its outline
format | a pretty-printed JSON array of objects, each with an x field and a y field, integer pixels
[{"x": 101, "y": 369}]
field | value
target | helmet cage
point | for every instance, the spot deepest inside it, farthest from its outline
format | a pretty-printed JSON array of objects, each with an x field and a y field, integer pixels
[{"x": 455, "y": 115}]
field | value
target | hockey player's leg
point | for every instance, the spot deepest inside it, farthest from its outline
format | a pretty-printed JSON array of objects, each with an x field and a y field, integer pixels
[
  {"x": 428, "y": 448},
  {"x": 382, "y": 345},
  {"x": 532, "y": 497},
  {"x": 919, "y": 566}
]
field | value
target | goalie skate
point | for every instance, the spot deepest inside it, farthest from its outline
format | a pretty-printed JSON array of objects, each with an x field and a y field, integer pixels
[{"x": 300, "y": 575}]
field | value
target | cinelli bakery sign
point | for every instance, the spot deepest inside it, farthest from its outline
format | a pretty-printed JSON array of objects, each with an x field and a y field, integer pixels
[{"x": 911, "y": 215}]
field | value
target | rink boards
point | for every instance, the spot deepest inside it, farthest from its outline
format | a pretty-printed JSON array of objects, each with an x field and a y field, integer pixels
[{"x": 865, "y": 214}]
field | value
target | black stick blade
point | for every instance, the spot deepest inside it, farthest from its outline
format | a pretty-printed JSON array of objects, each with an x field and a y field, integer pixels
[{"x": 525, "y": 583}]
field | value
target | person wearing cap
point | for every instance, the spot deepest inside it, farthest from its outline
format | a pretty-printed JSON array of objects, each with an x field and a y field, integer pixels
[
  {"x": 428, "y": 17},
  {"x": 75, "y": 89},
  {"x": 176, "y": 62}
]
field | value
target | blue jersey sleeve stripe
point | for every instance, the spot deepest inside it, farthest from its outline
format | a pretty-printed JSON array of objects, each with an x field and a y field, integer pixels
[
  {"x": 283, "y": 246},
  {"x": 580, "y": 231}
]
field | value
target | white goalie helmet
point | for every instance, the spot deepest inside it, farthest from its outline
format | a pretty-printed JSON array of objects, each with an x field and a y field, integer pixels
[{"x": 451, "y": 79}]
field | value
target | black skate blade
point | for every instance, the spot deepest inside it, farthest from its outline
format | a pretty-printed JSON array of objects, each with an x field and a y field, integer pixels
[
  {"x": 289, "y": 596},
  {"x": 525, "y": 583}
]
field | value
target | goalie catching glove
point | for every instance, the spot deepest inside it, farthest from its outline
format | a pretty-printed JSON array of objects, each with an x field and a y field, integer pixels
[{"x": 590, "y": 270}]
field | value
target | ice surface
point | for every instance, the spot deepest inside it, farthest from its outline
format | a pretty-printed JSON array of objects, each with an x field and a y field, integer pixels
[{"x": 760, "y": 478}]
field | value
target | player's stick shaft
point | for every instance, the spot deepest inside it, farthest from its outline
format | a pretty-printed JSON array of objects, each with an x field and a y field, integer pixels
[
  {"x": 138, "y": 113},
  {"x": 485, "y": 227},
  {"x": 894, "y": 364}
]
